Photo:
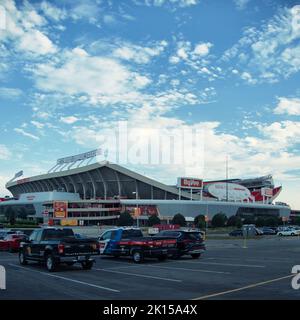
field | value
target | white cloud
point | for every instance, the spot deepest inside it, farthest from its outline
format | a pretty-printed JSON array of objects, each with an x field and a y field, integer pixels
[
  {"x": 159, "y": 3},
  {"x": 22, "y": 28},
  {"x": 69, "y": 120},
  {"x": 37, "y": 124},
  {"x": 271, "y": 52},
  {"x": 5, "y": 154},
  {"x": 248, "y": 77},
  {"x": 174, "y": 59},
  {"x": 101, "y": 79},
  {"x": 202, "y": 49},
  {"x": 86, "y": 9},
  {"x": 36, "y": 42},
  {"x": 10, "y": 93},
  {"x": 290, "y": 106},
  {"x": 26, "y": 134},
  {"x": 53, "y": 12},
  {"x": 3, "y": 190},
  {"x": 241, "y": 4},
  {"x": 139, "y": 54}
]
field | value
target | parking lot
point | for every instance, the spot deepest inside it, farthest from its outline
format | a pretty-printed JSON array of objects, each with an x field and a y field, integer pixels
[{"x": 226, "y": 271}]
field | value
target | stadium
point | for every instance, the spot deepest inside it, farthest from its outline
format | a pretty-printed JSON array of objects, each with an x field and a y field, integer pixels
[{"x": 97, "y": 193}]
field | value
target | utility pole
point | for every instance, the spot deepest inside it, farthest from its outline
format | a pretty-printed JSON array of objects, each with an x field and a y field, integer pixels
[{"x": 227, "y": 177}]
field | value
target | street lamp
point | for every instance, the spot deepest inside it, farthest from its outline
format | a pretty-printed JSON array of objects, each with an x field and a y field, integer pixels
[{"x": 137, "y": 206}]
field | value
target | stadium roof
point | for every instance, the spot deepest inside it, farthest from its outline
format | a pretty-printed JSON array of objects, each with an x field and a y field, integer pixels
[{"x": 101, "y": 180}]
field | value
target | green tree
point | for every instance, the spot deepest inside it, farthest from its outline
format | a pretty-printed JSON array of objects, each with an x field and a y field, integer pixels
[
  {"x": 152, "y": 220},
  {"x": 10, "y": 215},
  {"x": 260, "y": 222},
  {"x": 234, "y": 221},
  {"x": 199, "y": 221},
  {"x": 271, "y": 221},
  {"x": 297, "y": 221},
  {"x": 219, "y": 220},
  {"x": 249, "y": 220},
  {"x": 125, "y": 219},
  {"x": 179, "y": 219},
  {"x": 22, "y": 213}
]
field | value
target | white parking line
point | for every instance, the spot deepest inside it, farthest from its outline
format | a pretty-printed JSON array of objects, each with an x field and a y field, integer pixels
[
  {"x": 139, "y": 275},
  {"x": 67, "y": 279},
  {"x": 260, "y": 260},
  {"x": 243, "y": 288},
  {"x": 224, "y": 264},
  {"x": 186, "y": 269}
]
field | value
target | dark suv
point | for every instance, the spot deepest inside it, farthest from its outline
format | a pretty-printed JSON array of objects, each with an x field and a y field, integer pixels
[{"x": 189, "y": 242}]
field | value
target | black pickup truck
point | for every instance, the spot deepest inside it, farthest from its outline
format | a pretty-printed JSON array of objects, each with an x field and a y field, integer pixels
[
  {"x": 54, "y": 246},
  {"x": 188, "y": 242}
]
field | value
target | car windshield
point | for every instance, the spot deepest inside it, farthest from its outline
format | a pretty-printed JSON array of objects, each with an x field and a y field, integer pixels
[
  {"x": 131, "y": 234},
  {"x": 53, "y": 234},
  {"x": 168, "y": 234},
  {"x": 193, "y": 235}
]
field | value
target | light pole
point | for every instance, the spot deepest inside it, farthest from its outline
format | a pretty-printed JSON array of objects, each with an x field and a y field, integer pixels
[{"x": 137, "y": 207}]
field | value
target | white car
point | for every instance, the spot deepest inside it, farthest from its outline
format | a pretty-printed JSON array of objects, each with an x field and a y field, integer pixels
[{"x": 289, "y": 232}]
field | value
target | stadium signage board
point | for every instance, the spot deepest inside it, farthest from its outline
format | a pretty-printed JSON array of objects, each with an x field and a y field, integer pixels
[
  {"x": 267, "y": 192},
  {"x": 79, "y": 157},
  {"x": 230, "y": 191},
  {"x": 189, "y": 183},
  {"x": 60, "y": 209}
]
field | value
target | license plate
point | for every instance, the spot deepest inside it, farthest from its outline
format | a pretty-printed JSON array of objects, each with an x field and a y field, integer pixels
[{"x": 81, "y": 258}]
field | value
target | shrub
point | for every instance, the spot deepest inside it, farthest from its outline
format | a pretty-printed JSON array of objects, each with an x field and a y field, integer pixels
[
  {"x": 125, "y": 219},
  {"x": 219, "y": 220},
  {"x": 152, "y": 220},
  {"x": 199, "y": 221},
  {"x": 179, "y": 219}
]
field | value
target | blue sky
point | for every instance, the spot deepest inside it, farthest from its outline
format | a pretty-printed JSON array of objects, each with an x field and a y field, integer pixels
[{"x": 71, "y": 70}]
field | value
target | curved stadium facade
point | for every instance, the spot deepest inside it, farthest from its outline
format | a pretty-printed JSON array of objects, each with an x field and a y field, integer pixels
[{"x": 97, "y": 193}]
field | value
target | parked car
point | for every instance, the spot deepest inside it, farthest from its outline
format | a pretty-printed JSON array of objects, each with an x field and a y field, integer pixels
[
  {"x": 268, "y": 231},
  {"x": 259, "y": 232},
  {"x": 189, "y": 242},
  {"x": 5, "y": 232},
  {"x": 129, "y": 241},
  {"x": 289, "y": 232},
  {"x": 236, "y": 233},
  {"x": 54, "y": 246},
  {"x": 12, "y": 242}
]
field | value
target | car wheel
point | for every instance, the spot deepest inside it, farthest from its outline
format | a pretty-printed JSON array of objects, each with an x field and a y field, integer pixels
[
  {"x": 196, "y": 255},
  {"x": 280, "y": 234},
  {"x": 22, "y": 258},
  {"x": 87, "y": 265},
  {"x": 137, "y": 257},
  {"x": 51, "y": 263},
  {"x": 162, "y": 257},
  {"x": 292, "y": 234}
]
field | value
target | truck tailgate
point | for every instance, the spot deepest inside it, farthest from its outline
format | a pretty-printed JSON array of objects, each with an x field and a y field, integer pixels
[{"x": 74, "y": 247}]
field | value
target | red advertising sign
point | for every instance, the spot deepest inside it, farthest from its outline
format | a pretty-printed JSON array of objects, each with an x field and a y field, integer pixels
[
  {"x": 60, "y": 209},
  {"x": 267, "y": 192},
  {"x": 190, "y": 183},
  {"x": 144, "y": 210}
]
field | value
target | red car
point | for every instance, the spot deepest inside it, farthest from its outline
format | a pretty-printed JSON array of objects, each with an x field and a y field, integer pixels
[{"x": 12, "y": 242}]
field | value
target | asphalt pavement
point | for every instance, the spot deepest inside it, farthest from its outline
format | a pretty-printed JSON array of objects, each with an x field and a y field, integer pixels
[{"x": 229, "y": 269}]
